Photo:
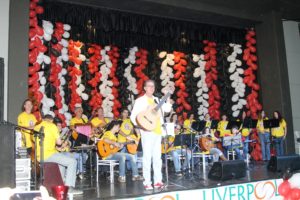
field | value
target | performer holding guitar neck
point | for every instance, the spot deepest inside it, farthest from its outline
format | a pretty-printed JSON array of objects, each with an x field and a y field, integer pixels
[
  {"x": 146, "y": 112},
  {"x": 110, "y": 138}
]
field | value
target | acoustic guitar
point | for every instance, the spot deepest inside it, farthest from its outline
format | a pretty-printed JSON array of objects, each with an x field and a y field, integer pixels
[
  {"x": 105, "y": 149},
  {"x": 148, "y": 119},
  {"x": 132, "y": 147}
]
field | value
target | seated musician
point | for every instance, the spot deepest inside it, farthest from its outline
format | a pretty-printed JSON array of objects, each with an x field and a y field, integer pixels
[
  {"x": 127, "y": 133},
  {"x": 176, "y": 151},
  {"x": 27, "y": 119},
  {"x": 110, "y": 138},
  {"x": 64, "y": 148},
  {"x": 236, "y": 147},
  {"x": 51, "y": 139},
  {"x": 187, "y": 124},
  {"x": 99, "y": 122},
  {"x": 222, "y": 127},
  {"x": 79, "y": 118},
  {"x": 217, "y": 153}
]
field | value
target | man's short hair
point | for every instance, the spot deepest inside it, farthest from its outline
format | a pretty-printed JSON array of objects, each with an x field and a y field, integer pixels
[
  {"x": 50, "y": 117},
  {"x": 149, "y": 80}
]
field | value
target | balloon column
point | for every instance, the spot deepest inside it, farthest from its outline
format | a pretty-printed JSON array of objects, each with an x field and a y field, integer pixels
[
  {"x": 93, "y": 67},
  {"x": 211, "y": 77},
  {"x": 35, "y": 57},
  {"x": 141, "y": 62},
  {"x": 290, "y": 188},
  {"x": 252, "y": 99},
  {"x": 202, "y": 93},
  {"x": 167, "y": 71},
  {"x": 180, "y": 67},
  {"x": 237, "y": 81}
]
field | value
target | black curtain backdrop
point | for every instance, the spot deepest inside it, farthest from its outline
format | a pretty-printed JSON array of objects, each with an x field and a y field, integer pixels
[{"x": 110, "y": 27}]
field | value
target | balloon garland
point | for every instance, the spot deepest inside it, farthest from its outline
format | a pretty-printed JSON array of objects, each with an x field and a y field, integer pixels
[
  {"x": 237, "y": 81},
  {"x": 167, "y": 71},
  {"x": 74, "y": 73},
  {"x": 106, "y": 86},
  {"x": 36, "y": 50},
  {"x": 141, "y": 62},
  {"x": 114, "y": 56},
  {"x": 211, "y": 77},
  {"x": 132, "y": 87},
  {"x": 180, "y": 66},
  {"x": 202, "y": 92},
  {"x": 93, "y": 67},
  {"x": 252, "y": 99}
]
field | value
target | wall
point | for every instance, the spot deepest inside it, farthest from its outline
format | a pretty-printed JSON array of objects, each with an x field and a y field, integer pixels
[
  {"x": 18, "y": 57},
  {"x": 292, "y": 44},
  {"x": 272, "y": 71},
  {"x": 4, "y": 16}
]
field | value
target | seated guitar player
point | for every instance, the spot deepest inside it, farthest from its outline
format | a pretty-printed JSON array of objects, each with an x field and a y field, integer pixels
[
  {"x": 99, "y": 123},
  {"x": 217, "y": 153},
  {"x": 109, "y": 137}
]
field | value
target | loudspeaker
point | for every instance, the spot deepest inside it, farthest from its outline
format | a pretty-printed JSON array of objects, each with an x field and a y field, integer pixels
[
  {"x": 7, "y": 155},
  {"x": 226, "y": 170},
  {"x": 281, "y": 163}
]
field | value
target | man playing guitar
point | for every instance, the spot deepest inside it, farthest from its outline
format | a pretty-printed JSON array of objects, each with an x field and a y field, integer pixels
[
  {"x": 99, "y": 122},
  {"x": 151, "y": 139}
]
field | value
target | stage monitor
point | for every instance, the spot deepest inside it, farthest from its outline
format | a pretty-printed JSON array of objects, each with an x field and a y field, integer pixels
[{"x": 227, "y": 170}]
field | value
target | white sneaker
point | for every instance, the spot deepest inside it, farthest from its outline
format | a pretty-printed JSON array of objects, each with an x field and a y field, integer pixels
[{"x": 75, "y": 191}]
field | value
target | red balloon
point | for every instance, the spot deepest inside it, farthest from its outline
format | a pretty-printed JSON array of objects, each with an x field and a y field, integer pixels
[
  {"x": 39, "y": 31},
  {"x": 39, "y": 9},
  {"x": 295, "y": 193},
  {"x": 284, "y": 188}
]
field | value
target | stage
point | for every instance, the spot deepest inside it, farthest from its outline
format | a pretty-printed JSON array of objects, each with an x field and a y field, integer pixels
[{"x": 259, "y": 183}]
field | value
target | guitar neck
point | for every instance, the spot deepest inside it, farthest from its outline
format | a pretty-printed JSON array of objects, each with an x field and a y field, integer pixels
[{"x": 162, "y": 101}]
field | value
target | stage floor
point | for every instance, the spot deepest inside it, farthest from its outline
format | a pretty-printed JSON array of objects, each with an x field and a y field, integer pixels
[{"x": 190, "y": 181}]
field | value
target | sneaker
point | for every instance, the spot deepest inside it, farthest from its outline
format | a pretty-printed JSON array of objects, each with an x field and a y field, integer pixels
[
  {"x": 137, "y": 178},
  {"x": 158, "y": 185},
  {"x": 178, "y": 174},
  {"x": 148, "y": 187},
  {"x": 74, "y": 191},
  {"x": 122, "y": 179}
]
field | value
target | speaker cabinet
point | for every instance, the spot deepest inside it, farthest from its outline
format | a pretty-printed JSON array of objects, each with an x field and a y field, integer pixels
[
  {"x": 281, "y": 163},
  {"x": 7, "y": 156},
  {"x": 226, "y": 170}
]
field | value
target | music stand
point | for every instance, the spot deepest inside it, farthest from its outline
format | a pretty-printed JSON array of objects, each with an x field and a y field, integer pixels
[
  {"x": 198, "y": 125},
  {"x": 271, "y": 123},
  {"x": 232, "y": 141},
  {"x": 214, "y": 124},
  {"x": 233, "y": 124}
]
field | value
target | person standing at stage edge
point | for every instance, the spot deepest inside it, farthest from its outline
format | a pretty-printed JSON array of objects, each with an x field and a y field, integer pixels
[{"x": 151, "y": 140}]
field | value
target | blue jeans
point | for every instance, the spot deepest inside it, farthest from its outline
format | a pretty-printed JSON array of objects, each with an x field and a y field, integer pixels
[
  {"x": 176, "y": 158},
  {"x": 265, "y": 145},
  {"x": 66, "y": 162},
  {"x": 79, "y": 158},
  {"x": 121, "y": 158},
  {"x": 279, "y": 146},
  {"x": 128, "y": 165},
  {"x": 245, "y": 147}
]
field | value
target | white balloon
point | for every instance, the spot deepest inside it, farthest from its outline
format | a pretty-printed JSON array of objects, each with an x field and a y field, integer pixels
[
  {"x": 45, "y": 110},
  {"x": 66, "y": 34},
  {"x": 171, "y": 62},
  {"x": 171, "y": 56},
  {"x": 62, "y": 81},
  {"x": 48, "y": 30},
  {"x": 162, "y": 54},
  {"x": 68, "y": 116},
  {"x": 43, "y": 81},
  {"x": 47, "y": 37},
  {"x": 107, "y": 48},
  {"x": 47, "y": 59},
  {"x": 50, "y": 102},
  {"x": 205, "y": 96},
  {"x": 82, "y": 57},
  {"x": 126, "y": 61},
  {"x": 42, "y": 89},
  {"x": 238, "y": 62},
  {"x": 67, "y": 27},
  {"x": 236, "y": 113},
  {"x": 84, "y": 96}
]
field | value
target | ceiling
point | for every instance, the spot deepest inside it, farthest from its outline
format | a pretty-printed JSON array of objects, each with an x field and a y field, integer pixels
[{"x": 232, "y": 13}]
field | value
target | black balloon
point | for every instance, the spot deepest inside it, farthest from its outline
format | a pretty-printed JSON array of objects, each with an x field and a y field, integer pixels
[{"x": 54, "y": 40}]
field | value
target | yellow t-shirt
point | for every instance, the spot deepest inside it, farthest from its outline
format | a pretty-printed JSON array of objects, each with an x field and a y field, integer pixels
[
  {"x": 110, "y": 136},
  {"x": 51, "y": 133},
  {"x": 279, "y": 131},
  {"x": 75, "y": 120},
  {"x": 222, "y": 129},
  {"x": 126, "y": 128},
  {"x": 260, "y": 126},
  {"x": 187, "y": 125},
  {"x": 25, "y": 119},
  {"x": 96, "y": 122},
  {"x": 158, "y": 129}
]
